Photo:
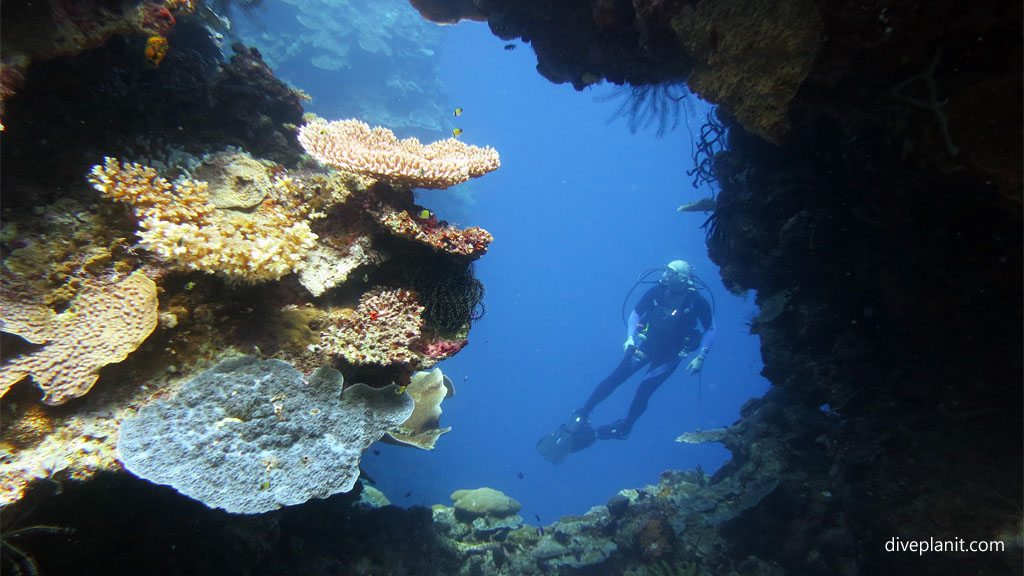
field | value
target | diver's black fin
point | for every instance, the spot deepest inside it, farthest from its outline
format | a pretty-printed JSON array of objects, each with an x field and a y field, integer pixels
[
  {"x": 571, "y": 437},
  {"x": 556, "y": 446}
]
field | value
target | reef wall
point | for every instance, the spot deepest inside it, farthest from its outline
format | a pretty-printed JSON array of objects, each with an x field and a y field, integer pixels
[{"x": 871, "y": 195}]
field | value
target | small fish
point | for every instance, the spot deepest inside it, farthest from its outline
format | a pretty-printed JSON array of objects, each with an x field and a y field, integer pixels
[
  {"x": 407, "y": 494},
  {"x": 376, "y": 452},
  {"x": 537, "y": 516},
  {"x": 456, "y": 132},
  {"x": 190, "y": 286},
  {"x": 457, "y": 112},
  {"x": 510, "y": 47},
  {"x": 519, "y": 475},
  {"x": 401, "y": 390},
  {"x": 425, "y": 214}
]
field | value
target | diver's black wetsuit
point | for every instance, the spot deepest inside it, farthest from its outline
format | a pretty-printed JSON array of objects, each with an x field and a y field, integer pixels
[{"x": 666, "y": 323}]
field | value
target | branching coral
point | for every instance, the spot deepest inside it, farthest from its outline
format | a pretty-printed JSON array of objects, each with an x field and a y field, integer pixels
[
  {"x": 103, "y": 325},
  {"x": 180, "y": 224},
  {"x": 380, "y": 331},
  {"x": 353, "y": 146}
]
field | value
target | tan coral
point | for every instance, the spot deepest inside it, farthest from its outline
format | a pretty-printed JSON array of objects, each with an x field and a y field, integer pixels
[
  {"x": 235, "y": 179},
  {"x": 102, "y": 326},
  {"x": 180, "y": 224},
  {"x": 422, "y": 428},
  {"x": 33, "y": 322},
  {"x": 353, "y": 146}
]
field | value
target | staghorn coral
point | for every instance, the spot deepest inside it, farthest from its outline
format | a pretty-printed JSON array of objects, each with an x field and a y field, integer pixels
[
  {"x": 104, "y": 324},
  {"x": 380, "y": 331},
  {"x": 353, "y": 146},
  {"x": 180, "y": 224}
]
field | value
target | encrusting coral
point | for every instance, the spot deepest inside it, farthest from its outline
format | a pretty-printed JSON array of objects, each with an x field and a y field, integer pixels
[
  {"x": 472, "y": 241},
  {"x": 380, "y": 331},
  {"x": 102, "y": 326},
  {"x": 351, "y": 145},
  {"x": 250, "y": 436},
  {"x": 180, "y": 224}
]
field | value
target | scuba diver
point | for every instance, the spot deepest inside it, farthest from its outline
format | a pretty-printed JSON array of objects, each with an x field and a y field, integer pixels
[{"x": 661, "y": 333}]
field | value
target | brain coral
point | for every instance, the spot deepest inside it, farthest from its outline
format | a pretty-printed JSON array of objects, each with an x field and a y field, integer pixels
[
  {"x": 250, "y": 436},
  {"x": 102, "y": 326}
]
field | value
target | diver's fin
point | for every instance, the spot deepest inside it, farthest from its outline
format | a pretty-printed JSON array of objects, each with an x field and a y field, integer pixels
[
  {"x": 556, "y": 446},
  {"x": 568, "y": 438}
]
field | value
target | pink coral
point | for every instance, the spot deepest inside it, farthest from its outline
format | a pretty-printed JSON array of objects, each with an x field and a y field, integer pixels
[{"x": 439, "y": 348}]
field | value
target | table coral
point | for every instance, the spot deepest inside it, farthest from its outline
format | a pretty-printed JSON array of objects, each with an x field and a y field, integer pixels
[
  {"x": 380, "y": 331},
  {"x": 180, "y": 224},
  {"x": 102, "y": 326},
  {"x": 353, "y": 146}
]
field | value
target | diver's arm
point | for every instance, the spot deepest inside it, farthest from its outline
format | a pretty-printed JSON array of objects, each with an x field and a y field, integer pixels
[
  {"x": 632, "y": 324},
  {"x": 710, "y": 329}
]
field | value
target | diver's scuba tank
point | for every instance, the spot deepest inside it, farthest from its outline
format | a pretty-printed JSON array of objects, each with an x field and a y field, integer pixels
[{"x": 694, "y": 283}]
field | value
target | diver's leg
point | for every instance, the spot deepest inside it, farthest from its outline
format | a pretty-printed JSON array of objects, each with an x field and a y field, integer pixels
[
  {"x": 630, "y": 364},
  {"x": 657, "y": 374}
]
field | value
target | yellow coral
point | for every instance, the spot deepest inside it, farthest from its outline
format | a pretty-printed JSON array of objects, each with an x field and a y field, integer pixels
[
  {"x": 353, "y": 146},
  {"x": 102, "y": 326},
  {"x": 180, "y": 224}
]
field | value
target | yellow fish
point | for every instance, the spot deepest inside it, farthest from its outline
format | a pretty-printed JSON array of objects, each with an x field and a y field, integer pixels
[
  {"x": 401, "y": 390},
  {"x": 458, "y": 112},
  {"x": 424, "y": 214},
  {"x": 456, "y": 132}
]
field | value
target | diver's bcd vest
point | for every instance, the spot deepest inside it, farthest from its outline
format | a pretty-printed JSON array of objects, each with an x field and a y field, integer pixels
[{"x": 671, "y": 321}]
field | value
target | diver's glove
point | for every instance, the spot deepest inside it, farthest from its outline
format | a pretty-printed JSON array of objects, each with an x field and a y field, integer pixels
[
  {"x": 628, "y": 343},
  {"x": 696, "y": 364}
]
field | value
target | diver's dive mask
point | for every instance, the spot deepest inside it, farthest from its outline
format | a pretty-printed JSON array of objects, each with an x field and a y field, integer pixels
[{"x": 678, "y": 275}]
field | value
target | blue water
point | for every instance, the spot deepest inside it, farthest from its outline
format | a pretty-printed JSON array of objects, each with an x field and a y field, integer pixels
[{"x": 579, "y": 207}]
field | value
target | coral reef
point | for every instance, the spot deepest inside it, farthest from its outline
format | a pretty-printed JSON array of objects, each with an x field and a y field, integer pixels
[
  {"x": 353, "y": 146},
  {"x": 102, "y": 326},
  {"x": 250, "y": 436},
  {"x": 472, "y": 241},
  {"x": 752, "y": 56},
  {"x": 181, "y": 223},
  {"x": 381, "y": 330},
  {"x": 422, "y": 428}
]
